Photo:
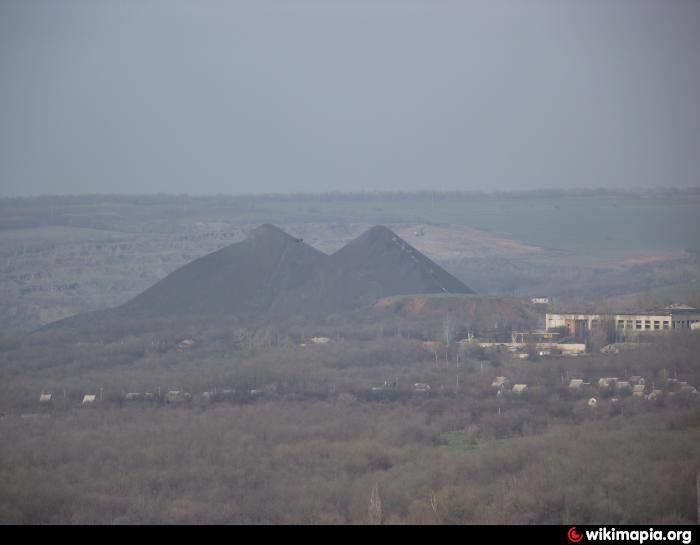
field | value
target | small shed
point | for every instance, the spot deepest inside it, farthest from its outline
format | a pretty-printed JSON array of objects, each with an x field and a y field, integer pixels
[
  {"x": 575, "y": 384},
  {"x": 607, "y": 382},
  {"x": 688, "y": 388},
  {"x": 177, "y": 396},
  {"x": 623, "y": 386},
  {"x": 654, "y": 395},
  {"x": 430, "y": 346},
  {"x": 186, "y": 344},
  {"x": 519, "y": 388},
  {"x": 89, "y": 399},
  {"x": 499, "y": 382},
  {"x": 45, "y": 398}
]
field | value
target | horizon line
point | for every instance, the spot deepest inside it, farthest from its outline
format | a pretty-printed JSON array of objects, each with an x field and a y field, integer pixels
[{"x": 421, "y": 193}]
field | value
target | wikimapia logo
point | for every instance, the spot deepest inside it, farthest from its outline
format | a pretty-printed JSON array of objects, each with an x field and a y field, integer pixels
[
  {"x": 630, "y": 535},
  {"x": 573, "y": 535}
]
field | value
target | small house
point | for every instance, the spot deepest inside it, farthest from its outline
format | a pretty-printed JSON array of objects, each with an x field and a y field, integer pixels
[
  {"x": 499, "y": 382},
  {"x": 654, "y": 394},
  {"x": 185, "y": 345},
  {"x": 623, "y": 387},
  {"x": 688, "y": 388},
  {"x": 177, "y": 396},
  {"x": 607, "y": 382}
]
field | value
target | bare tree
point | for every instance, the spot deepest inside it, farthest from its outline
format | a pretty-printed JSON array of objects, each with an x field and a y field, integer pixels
[
  {"x": 434, "y": 502},
  {"x": 375, "y": 506},
  {"x": 447, "y": 332}
]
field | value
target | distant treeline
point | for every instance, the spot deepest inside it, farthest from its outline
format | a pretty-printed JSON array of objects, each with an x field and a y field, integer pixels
[{"x": 338, "y": 196}]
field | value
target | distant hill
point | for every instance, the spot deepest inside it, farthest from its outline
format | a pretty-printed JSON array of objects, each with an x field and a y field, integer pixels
[
  {"x": 377, "y": 264},
  {"x": 272, "y": 273},
  {"x": 243, "y": 278},
  {"x": 387, "y": 260}
]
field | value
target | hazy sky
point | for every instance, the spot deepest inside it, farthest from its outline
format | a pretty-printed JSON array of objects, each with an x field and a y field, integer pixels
[{"x": 245, "y": 97}]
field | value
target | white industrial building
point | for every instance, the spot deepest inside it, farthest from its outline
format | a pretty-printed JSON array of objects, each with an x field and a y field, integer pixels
[{"x": 674, "y": 317}]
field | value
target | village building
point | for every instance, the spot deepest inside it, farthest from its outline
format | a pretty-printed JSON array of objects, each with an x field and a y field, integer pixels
[{"x": 535, "y": 336}]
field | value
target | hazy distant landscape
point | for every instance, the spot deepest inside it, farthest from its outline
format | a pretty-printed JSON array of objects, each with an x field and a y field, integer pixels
[
  {"x": 340, "y": 262},
  {"x": 67, "y": 255},
  {"x": 278, "y": 427}
]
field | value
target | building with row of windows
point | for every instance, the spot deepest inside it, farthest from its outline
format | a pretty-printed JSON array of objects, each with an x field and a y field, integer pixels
[{"x": 674, "y": 317}]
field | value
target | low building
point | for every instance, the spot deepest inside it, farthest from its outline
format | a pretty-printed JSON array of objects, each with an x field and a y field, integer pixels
[
  {"x": 89, "y": 399},
  {"x": 623, "y": 386},
  {"x": 566, "y": 349},
  {"x": 540, "y": 300},
  {"x": 607, "y": 382},
  {"x": 177, "y": 396},
  {"x": 185, "y": 345},
  {"x": 536, "y": 336},
  {"x": 519, "y": 388},
  {"x": 499, "y": 382},
  {"x": 45, "y": 398},
  {"x": 654, "y": 395},
  {"x": 688, "y": 388},
  {"x": 624, "y": 346},
  {"x": 430, "y": 346},
  {"x": 579, "y": 325}
]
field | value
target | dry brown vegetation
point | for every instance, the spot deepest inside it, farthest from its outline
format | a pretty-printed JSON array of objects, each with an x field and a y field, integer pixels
[
  {"x": 312, "y": 446},
  {"x": 310, "y": 434}
]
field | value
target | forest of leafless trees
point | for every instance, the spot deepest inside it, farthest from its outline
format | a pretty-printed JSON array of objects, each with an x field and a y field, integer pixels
[{"x": 337, "y": 433}]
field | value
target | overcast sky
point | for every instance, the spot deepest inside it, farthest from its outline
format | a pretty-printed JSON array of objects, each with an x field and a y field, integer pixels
[{"x": 246, "y": 97}]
